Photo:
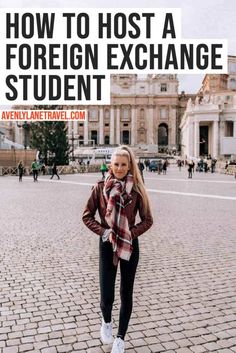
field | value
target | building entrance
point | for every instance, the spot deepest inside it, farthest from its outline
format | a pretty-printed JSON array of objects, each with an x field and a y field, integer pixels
[
  {"x": 204, "y": 131},
  {"x": 125, "y": 137},
  {"x": 94, "y": 136}
]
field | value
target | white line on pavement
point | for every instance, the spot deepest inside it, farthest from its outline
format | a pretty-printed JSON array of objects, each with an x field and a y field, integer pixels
[
  {"x": 193, "y": 180},
  {"x": 149, "y": 190},
  {"x": 192, "y": 194},
  {"x": 169, "y": 179}
]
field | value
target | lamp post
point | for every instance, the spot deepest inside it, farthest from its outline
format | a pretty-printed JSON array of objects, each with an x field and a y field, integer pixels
[
  {"x": 26, "y": 128},
  {"x": 73, "y": 146}
]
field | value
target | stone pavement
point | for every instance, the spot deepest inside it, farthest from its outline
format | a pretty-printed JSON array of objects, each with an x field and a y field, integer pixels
[{"x": 185, "y": 290}]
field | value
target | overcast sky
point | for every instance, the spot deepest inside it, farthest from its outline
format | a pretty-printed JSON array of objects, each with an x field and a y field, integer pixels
[{"x": 200, "y": 19}]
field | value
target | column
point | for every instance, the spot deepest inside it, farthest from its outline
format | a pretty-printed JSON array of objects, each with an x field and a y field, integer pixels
[
  {"x": 69, "y": 128},
  {"x": 215, "y": 139},
  {"x": 118, "y": 125},
  {"x": 150, "y": 118},
  {"x": 76, "y": 129},
  {"x": 133, "y": 125},
  {"x": 86, "y": 130},
  {"x": 191, "y": 138},
  {"x": 112, "y": 126},
  {"x": 101, "y": 126},
  {"x": 172, "y": 140},
  {"x": 196, "y": 139}
]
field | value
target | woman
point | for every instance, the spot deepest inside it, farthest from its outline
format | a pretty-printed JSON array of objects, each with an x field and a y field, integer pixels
[
  {"x": 20, "y": 170},
  {"x": 118, "y": 199}
]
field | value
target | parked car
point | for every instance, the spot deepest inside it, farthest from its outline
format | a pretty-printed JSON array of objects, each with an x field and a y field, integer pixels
[{"x": 155, "y": 165}]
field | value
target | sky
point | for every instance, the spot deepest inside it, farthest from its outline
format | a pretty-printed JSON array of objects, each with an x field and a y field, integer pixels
[{"x": 201, "y": 19}]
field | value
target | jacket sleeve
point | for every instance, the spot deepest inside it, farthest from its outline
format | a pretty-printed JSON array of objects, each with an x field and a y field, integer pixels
[
  {"x": 145, "y": 223},
  {"x": 90, "y": 211}
]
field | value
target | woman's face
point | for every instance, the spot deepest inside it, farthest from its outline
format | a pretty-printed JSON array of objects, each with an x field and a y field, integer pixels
[{"x": 120, "y": 166}]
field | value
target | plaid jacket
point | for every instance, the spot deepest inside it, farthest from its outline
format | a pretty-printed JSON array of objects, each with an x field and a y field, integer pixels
[{"x": 97, "y": 202}]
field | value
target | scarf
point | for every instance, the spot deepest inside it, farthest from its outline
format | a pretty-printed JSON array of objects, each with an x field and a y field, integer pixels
[{"x": 117, "y": 194}]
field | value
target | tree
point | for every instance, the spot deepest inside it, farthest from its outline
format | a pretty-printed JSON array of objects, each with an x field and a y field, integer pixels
[{"x": 50, "y": 139}]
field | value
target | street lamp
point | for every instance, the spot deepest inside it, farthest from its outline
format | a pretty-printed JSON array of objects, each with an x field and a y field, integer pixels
[
  {"x": 73, "y": 146},
  {"x": 26, "y": 127}
]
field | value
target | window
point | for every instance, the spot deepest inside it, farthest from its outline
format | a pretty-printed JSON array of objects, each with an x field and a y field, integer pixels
[
  {"x": 232, "y": 67},
  {"x": 163, "y": 113},
  {"x": 93, "y": 116},
  {"x": 142, "y": 89},
  {"x": 229, "y": 129},
  {"x": 232, "y": 84},
  {"x": 125, "y": 114},
  {"x": 163, "y": 87},
  {"x": 107, "y": 113},
  {"x": 142, "y": 114}
]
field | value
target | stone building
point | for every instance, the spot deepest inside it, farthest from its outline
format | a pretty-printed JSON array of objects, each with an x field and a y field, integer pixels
[
  {"x": 143, "y": 111},
  {"x": 208, "y": 126}
]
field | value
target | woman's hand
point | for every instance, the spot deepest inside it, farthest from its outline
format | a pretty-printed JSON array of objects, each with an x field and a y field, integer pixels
[{"x": 110, "y": 238}]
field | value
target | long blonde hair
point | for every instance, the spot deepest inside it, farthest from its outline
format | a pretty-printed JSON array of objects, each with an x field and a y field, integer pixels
[{"x": 134, "y": 170}]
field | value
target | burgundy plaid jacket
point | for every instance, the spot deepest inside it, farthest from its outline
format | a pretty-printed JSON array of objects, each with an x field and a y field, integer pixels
[{"x": 97, "y": 202}]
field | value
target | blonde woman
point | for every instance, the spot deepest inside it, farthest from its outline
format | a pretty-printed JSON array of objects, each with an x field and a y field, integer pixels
[{"x": 118, "y": 199}]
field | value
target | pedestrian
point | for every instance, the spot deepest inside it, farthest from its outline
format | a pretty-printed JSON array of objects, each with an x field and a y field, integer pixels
[
  {"x": 20, "y": 168},
  {"x": 190, "y": 169},
  {"x": 141, "y": 168},
  {"x": 213, "y": 164},
  {"x": 147, "y": 163},
  {"x": 179, "y": 162},
  {"x": 43, "y": 169},
  {"x": 103, "y": 169},
  {"x": 164, "y": 167},
  {"x": 34, "y": 167},
  {"x": 118, "y": 199},
  {"x": 54, "y": 171}
]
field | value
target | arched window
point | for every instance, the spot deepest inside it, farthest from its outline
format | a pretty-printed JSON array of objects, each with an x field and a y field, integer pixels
[
  {"x": 107, "y": 113},
  {"x": 142, "y": 114},
  {"x": 93, "y": 114}
]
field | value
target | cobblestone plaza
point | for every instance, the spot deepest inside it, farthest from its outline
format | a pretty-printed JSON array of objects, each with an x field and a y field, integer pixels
[{"x": 185, "y": 289}]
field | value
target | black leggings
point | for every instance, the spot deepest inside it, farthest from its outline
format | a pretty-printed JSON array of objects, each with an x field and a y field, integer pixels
[{"x": 107, "y": 272}]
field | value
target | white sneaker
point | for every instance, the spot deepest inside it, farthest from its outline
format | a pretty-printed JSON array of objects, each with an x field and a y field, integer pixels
[
  {"x": 118, "y": 346},
  {"x": 106, "y": 332}
]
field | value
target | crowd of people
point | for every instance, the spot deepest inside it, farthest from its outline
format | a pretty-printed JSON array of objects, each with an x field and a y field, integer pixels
[{"x": 144, "y": 164}]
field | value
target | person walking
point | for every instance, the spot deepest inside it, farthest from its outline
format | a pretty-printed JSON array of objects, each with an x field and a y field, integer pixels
[
  {"x": 164, "y": 167},
  {"x": 103, "y": 169},
  {"x": 118, "y": 199},
  {"x": 20, "y": 168},
  {"x": 54, "y": 171},
  {"x": 34, "y": 167},
  {"x": 190, "y": 169}
]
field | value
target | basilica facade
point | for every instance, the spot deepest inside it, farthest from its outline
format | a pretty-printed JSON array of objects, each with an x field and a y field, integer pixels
[{"x": 143, "y": 111}]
